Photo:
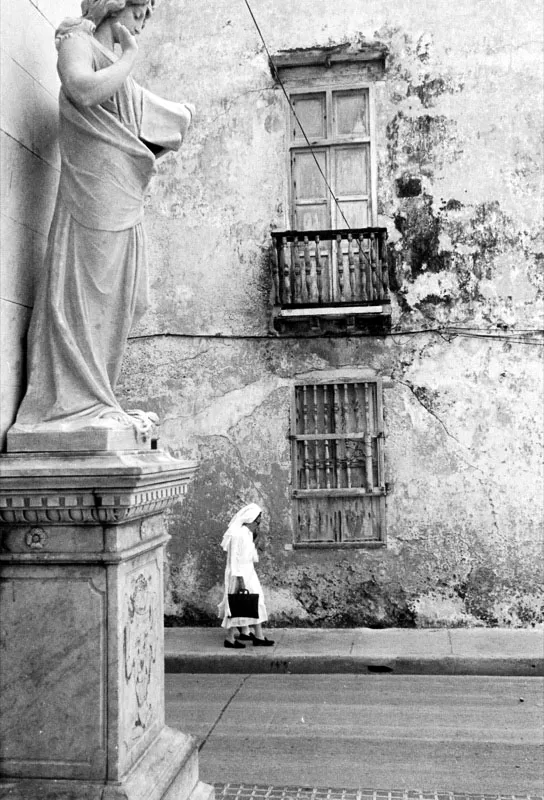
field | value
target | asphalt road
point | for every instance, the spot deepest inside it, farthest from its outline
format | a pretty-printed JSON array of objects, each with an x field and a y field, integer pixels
[{"x": 428, "y": 733}]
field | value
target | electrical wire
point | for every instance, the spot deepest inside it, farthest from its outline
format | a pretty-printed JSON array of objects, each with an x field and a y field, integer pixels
[{"x": 516, "y": 337}]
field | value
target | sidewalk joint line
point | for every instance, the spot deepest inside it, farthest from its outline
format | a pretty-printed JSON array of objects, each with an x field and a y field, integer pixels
[{"x": 221, "y": 713}]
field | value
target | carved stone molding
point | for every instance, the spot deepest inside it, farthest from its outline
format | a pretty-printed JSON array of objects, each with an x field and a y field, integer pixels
[
  {"x": 36, "y": 539},
  {"x": 89, "y": 490},
  {"x": 81, "y": 554},
  {"x": 91, "y": 508},
  {"x": 140, "y": 653}
]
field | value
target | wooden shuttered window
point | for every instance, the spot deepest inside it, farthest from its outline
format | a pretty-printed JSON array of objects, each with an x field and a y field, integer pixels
[
  {"x": 338, "y": 462},
  {"x": 333, "y": 182},
  {"x": 337, "y": 124}
]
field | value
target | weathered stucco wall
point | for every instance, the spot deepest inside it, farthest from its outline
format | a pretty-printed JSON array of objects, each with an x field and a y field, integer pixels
[
  {"x": 459, "y": 179},
  {"x": 29, "y": 174},
  {"x": 459, "y": 158},
  {"x": 463, "y": 517}
]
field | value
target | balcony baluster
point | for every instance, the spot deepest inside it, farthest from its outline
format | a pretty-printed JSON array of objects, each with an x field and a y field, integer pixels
[
  {"x": 297, "y": 277},
  {"x": 362, "y": 268},
  {"x": 318, "y": 270},
  {"x": 340, "y": 267},
  {"x": 385, "y": 271},
  {"x": 378, "y": 262},
  {"x": 351, "y": 264},
  {"x": 337, "y": 270},
  {"x": 311, "y": 279},
  {"x": 285, "y": 266},
  {"x": 374, "y": 267},
  {"x": 276, "y": 262}
]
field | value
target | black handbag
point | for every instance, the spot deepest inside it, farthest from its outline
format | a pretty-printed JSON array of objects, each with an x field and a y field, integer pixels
[{"x": 244, "y": 604}]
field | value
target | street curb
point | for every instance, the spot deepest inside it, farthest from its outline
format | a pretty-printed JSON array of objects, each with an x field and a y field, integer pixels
[{"x": 250, "y": 663}]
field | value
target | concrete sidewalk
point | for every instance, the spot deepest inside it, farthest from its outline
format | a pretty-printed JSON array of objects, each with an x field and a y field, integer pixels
[{"x": 403, "y": 651}]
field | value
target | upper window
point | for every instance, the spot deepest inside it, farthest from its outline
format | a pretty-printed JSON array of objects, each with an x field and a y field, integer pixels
[
  {"x": 330, "y": 269},
  {"x": 331, "y": 143},
  {"x": 338, "y": 462}
]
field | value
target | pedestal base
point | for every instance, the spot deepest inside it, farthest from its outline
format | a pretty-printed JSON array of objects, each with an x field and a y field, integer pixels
[
  {"x": 168, "y": 771},
  {"x": 82, "y": 677}
]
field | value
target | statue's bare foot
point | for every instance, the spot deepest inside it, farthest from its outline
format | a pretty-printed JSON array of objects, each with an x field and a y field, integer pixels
[{"x": 146, "y": 422}]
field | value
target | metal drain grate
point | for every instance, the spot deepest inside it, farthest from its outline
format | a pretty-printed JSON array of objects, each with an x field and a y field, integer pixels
[{"x": 241, "y": 791}]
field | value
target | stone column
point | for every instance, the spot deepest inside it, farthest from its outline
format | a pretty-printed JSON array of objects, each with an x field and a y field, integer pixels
[{"x": 82, "y": 665}]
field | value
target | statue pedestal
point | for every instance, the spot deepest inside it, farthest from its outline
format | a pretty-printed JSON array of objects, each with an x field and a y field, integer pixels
[{"x": 82, "y": 663}]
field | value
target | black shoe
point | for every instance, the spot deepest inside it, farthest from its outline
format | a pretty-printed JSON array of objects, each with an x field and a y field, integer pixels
[
  {"x": 245, "y": 637},
  {"x": 261, "y": 642},
  {"x": 234, "y": 645}
]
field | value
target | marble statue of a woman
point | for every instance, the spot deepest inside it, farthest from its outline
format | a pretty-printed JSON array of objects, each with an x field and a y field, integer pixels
[{"x": 94, "y": 281}]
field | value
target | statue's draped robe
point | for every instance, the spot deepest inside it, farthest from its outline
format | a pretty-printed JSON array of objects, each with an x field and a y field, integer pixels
[{"x": 94, "y": 281}]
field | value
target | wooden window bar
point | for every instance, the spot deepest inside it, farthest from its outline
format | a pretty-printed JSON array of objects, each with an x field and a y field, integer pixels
[{"x": 338, "y": 463}]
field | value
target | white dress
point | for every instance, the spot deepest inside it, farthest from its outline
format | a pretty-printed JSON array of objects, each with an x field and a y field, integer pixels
[{"x": 241, "y": 559}]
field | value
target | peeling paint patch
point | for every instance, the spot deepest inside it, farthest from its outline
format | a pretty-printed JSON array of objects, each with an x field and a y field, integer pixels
[
  {"x": 448, "y": 609},
  {"x": 435, "y": 610},
  {"x": 425, "y": 142},
  {"x": 520, "y": 610},
  {"x": 348, "y": 599},
  {"x": 431, "y": 88},
  {"x": 281, "y": 604},
  {"x": 469, "y": 248},
  {"x": 432, "y": 289}
]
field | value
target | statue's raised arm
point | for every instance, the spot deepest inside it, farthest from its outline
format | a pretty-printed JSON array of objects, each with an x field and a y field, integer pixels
[{"x": 94, "y": 281}]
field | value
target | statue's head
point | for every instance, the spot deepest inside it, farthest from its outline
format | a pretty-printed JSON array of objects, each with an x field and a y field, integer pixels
[{"x": 99, "y": 10}]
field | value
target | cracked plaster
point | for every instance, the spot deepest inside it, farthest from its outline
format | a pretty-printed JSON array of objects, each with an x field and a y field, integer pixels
[{"x": 459, "y": 178}]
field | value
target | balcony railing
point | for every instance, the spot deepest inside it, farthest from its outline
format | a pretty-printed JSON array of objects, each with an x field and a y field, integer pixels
[{"x": 314, "y": 269}]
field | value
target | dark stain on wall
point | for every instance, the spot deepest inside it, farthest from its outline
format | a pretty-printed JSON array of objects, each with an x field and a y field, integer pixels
[
  {"x": 352, "y": 600},
  {"x": 477, "y": 237},
  {"x": 408, "y": 186},
  {"x": 432, "y": 87},
  {"x": 422, "y": 141},
  {"x": 491, "y": 231},
  {"x": 483, "y": 590},
  {"x": 420, "y": 230}
]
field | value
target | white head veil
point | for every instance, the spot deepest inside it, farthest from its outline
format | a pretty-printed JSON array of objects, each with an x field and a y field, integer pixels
[{"x": 246, "y": 514}]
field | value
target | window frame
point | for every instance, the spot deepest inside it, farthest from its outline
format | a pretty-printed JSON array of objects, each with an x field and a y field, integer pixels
[
  {"x": 330, "y": 142},
  {"x": 378, "y": 491}
]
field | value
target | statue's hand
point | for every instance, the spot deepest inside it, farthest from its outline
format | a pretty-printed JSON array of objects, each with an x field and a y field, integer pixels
[{"x": 124, "y": 37}]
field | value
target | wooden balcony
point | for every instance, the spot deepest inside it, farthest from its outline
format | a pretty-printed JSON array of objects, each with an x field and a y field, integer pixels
[{"x": 331, "y": 281}]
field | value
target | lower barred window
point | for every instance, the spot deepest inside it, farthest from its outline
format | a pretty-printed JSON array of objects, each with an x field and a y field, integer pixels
[{"x": 338, "y": 463}]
